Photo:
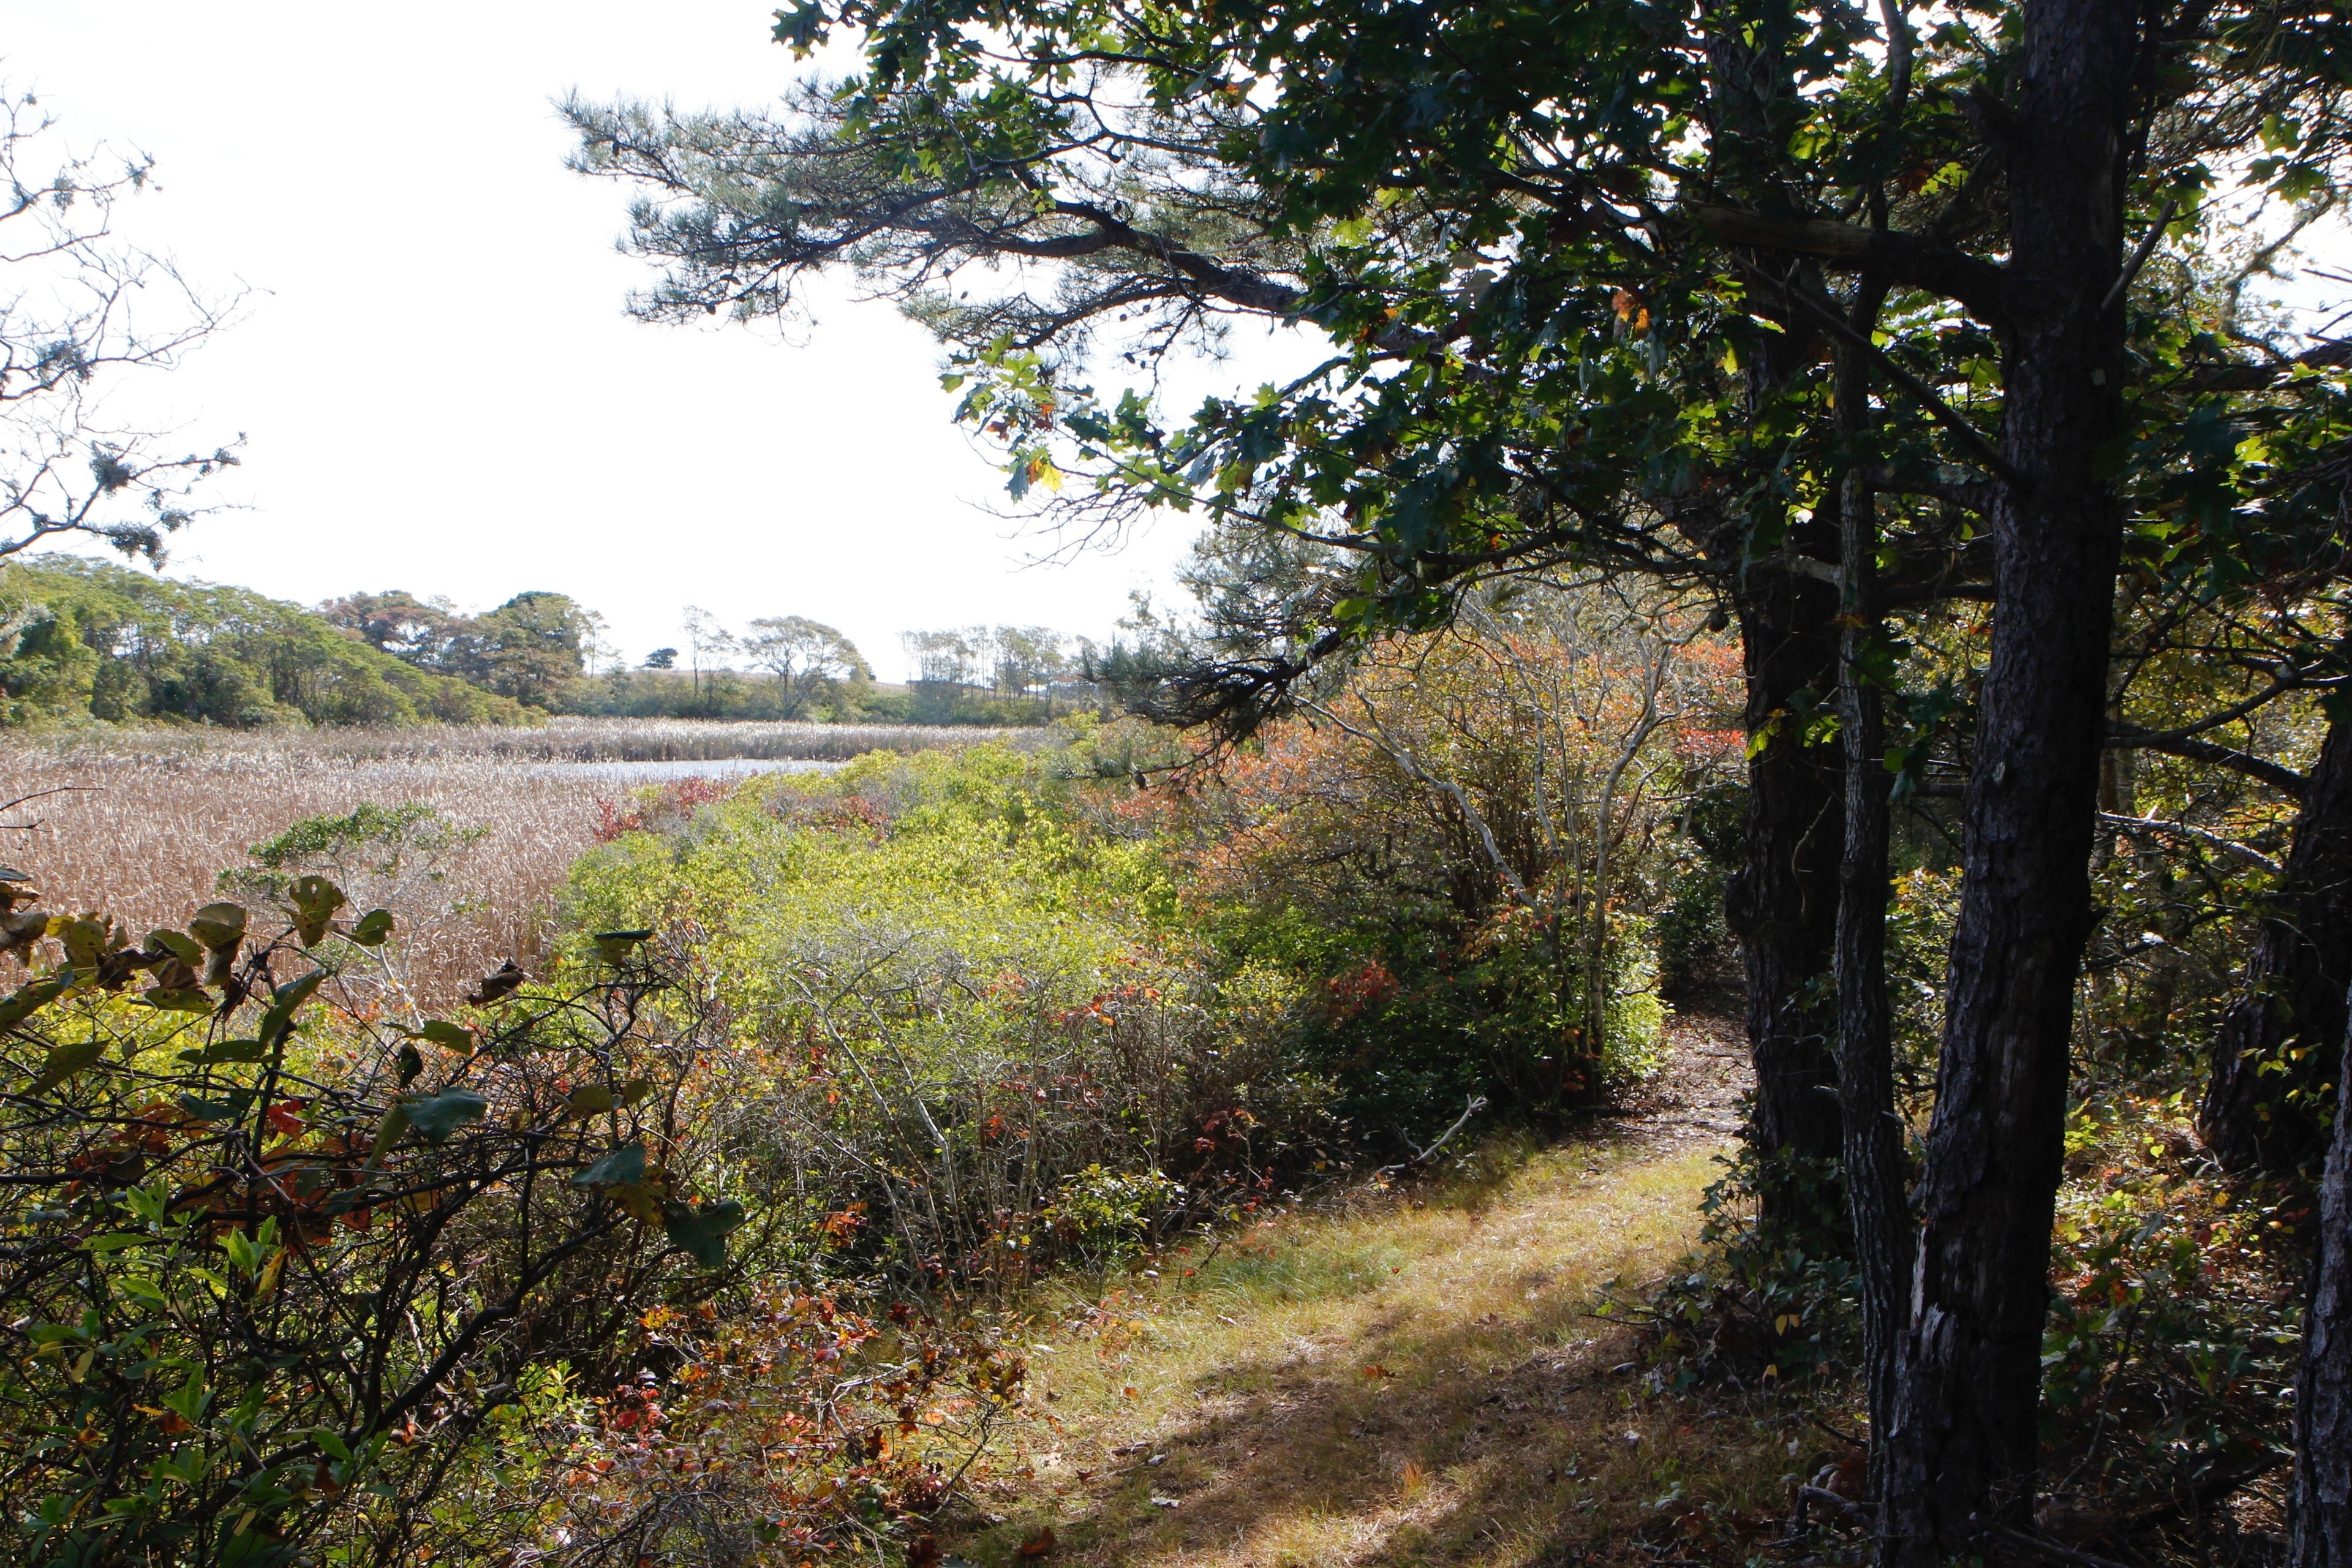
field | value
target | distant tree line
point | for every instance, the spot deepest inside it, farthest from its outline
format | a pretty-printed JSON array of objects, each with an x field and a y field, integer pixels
[
  {"x": 527, "y": 648},
  {"x": 85, "y": 639},
  {"x": 82, "y": 640},
  {"x": 789, "y": 667},
  {"x": 1019, "y": 672}
]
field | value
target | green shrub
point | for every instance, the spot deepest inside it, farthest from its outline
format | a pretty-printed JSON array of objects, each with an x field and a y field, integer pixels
[
  {"x": 289, "y": 1283},
  {"x": 264, "y": 1250},
  {"x": 962, "y": 997}
]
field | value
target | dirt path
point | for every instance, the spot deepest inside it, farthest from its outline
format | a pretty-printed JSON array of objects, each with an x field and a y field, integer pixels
[{"x": 1417, "y": 1380}]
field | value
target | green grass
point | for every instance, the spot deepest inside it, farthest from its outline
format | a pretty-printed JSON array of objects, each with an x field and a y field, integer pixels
[{"x": 1412, "y": 1379}]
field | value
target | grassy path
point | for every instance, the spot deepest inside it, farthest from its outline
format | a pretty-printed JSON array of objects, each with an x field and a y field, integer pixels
[{"x": 1414, "y": 1380}]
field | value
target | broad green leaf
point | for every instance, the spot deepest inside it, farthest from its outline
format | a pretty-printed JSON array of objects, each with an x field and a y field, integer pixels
[
  {"x": 242, "y": 1251},
  {"x": 373, "y": 927},
  {"x": 448, "y": 1036},
  {"x": 436, "y": 1117},
  {"x": 225, "y": 1051},
  {"x": 177, "y": 999},
  {"x": 316, "y": 895},
  {"x": 30, "y": 999},
  {"x": 63, "y": 1062},
  {"x": 315, "y": 901},
  {"x": 179, "y": 944},
  {"x": 625, "y": 1167},
  {"x": 590, "y": 1100},
  {"x": 701, "y": 1229},
  {"x": 192, "y": 1398},
  {"x": 388, "y": 1133},
  {"x": 216, "y": 1109},
  {"x": 615, "y": 946},
  {"x": 219, "y": 926},
  {"x": 85, "y": 941},
  {"x": 278, "y": 1022}
]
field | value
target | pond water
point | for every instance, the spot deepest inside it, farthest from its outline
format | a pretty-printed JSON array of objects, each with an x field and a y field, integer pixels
[{"x": 709, "y": 768}]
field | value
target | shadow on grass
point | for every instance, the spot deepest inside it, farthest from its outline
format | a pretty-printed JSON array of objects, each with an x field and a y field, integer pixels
[{"x": 1402, "y": 1438}]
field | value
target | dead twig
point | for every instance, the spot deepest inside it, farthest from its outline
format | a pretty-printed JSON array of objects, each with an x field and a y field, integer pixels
[
  {"x": 1477, "y": 1103},
  {"x": 7, "y": 806},
  {"x": 2057, "y": 1552}
]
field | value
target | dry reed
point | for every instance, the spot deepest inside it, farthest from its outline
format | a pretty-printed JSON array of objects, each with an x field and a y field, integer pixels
[
  {"x": 152, "y": 817},
  {"x": 561, "y": 740}
]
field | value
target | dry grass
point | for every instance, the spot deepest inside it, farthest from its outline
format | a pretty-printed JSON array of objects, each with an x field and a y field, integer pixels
[
  {"x": 1414, "y": 1381},
  {"x": 165, "y": 812},
  {"x": 558, "y": 741}
]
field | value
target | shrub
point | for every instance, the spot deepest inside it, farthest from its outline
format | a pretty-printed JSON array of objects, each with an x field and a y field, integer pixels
[
  {"x": 1477, "y": 815},
  {"x": 285, "y": 1281},
  {"x": 962, "y": 998},
  {"x": 1757, "y": 1301}
]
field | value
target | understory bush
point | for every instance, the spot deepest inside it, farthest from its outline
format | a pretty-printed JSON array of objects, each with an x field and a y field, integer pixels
[
  {"x": 1462, "y": 849},
  {"x": 2167, "y": 1355},
  {"x": 1758, "y": 1302},
  {"x": 2175, "y": 1312},
  {"x": 980, "y": 1048},
  {"x": 286, "y": 1281}
]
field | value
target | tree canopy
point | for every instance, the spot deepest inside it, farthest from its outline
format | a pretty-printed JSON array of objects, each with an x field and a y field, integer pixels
[{"x": 525, "y": 648}]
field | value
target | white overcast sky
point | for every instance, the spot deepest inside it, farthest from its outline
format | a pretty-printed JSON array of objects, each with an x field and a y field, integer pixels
[{"x": 439, "y": 389}]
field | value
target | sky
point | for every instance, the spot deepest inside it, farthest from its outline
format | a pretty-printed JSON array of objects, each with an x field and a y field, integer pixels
[{"x": 437, "y": 385}]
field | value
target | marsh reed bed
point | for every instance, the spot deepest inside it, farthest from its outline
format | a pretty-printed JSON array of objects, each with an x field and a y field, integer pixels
[{"x": 141, "y": 824}]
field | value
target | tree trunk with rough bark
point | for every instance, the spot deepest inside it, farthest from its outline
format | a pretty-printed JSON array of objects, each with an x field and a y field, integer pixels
[
  {"x": 1781, "y": 904},
  {"x": 1873, "y": 1168},
  {"x": 1963, "y": 1458},
  {"x": 2263, "y": 1098},
  {"x": 2320, "y": 1503}
]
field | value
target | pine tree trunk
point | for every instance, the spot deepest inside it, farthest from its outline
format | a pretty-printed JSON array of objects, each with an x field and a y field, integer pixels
[
  {"x": 1963, "y": 1455},
  {"x": 1873, "y": 1133},
  {"x": 2320, "y": 1504},
  {"x": 2264, "y": 1106},
  {"x": 1781, "y": 904}
]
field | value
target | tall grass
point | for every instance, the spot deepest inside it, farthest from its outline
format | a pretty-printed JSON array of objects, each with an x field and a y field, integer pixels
[
  {"x": 149, "y": 819},
  {"x": 561, "y": 740}
]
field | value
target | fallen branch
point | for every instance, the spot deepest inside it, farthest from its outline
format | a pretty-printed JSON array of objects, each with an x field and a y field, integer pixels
[
  {"x": 2042, "y": 1545},
  {"x": 1477, "y": 1103}
]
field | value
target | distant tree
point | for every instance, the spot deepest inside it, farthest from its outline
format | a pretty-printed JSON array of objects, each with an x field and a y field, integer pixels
[
  {"x": 524, "y": 649},
  {"x": 531, "y": 645},
  {"x": 662, "y": 659},
  {"x": 67, "y": 318},
  {"x": 941, "y": 659},
  {"x": 1027, "y": 660},
  {"x": 810, "y": 660},
  {"x": 708, "y": 641},
  {"x": 956, "y": 669},
  {"x": 425, "y": 632}
]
